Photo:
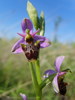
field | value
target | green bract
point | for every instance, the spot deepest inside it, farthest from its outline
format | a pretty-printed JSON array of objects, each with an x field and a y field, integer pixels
[
  {"x": 42, "y": 24},
  {"x": 32, "y": 12}
]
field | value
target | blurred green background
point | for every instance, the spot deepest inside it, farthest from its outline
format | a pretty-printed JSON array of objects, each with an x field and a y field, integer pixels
[{"x": 15, "y": 76}]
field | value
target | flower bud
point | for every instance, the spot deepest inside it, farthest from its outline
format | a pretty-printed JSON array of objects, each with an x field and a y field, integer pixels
[{"x": 32, "y": 12}]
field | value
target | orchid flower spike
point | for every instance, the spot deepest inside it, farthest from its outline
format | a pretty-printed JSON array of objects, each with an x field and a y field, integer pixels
[
  {"x": 23, "y": 96},
  {"x": 30, "y": 43},
  {"x": 58, "y": 82}
]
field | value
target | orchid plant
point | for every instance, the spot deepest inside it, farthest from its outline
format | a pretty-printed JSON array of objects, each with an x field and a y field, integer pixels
[{"x": 30, "y": 44}]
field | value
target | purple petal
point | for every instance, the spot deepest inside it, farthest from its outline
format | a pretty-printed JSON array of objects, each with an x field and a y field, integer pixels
[
  {"x": 17, "y": 51},
  {"x": 26, "y": 24},
  {"x": 17, "y": 47},
  {"x": 48, "y": 73},
  {"x": 58, "y": 62},
  {"x": 33, "y": 34},
  {"x": 44, "y": 42},
  {"x": 55, "y": 84},
  {"x": 61, "y": 73},
  {"x": 22, "y": 35},
  {"x": 40, "y": 38},
  {"x": 23, "y": 96}
]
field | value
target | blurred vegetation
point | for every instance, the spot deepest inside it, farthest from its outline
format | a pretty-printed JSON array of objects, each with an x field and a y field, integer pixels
[{"x": 15, "y": 76}]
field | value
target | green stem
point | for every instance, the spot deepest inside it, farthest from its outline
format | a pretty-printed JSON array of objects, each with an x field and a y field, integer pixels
[
  {"x": 35, "y": 82},
  {"x": 38, "y": 97},
  {"x": 38, "y": 74}
]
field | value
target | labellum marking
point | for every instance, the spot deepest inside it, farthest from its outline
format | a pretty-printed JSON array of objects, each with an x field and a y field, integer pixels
[
  {"x": 31, "y": 51},
  {"x": 62, "y": 87}
]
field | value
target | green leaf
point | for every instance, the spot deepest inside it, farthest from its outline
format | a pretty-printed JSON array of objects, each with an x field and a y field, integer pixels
[
  {"x": 32, "y": 12},
  {"x": 46, "y": 81},
  {"x": 67, "y": 70},
  {"x": 42, "y": 24}
]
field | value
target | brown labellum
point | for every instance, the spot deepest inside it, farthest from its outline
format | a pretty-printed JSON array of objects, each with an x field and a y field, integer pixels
[
  {"x": 31, "y": 51},
  {"x": 62, "y": 87}
]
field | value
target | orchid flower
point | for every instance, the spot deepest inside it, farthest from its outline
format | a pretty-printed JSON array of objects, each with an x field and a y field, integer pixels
[
  {"x": 23, "y": 96},
  {"x": 58, "y": 84},
  {"x": 30, "y": 43}
]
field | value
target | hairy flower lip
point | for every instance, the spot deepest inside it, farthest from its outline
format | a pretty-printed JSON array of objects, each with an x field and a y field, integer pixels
[
  {"x": 31, "y": 51},
  {"x": 62, "y": 85}
]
